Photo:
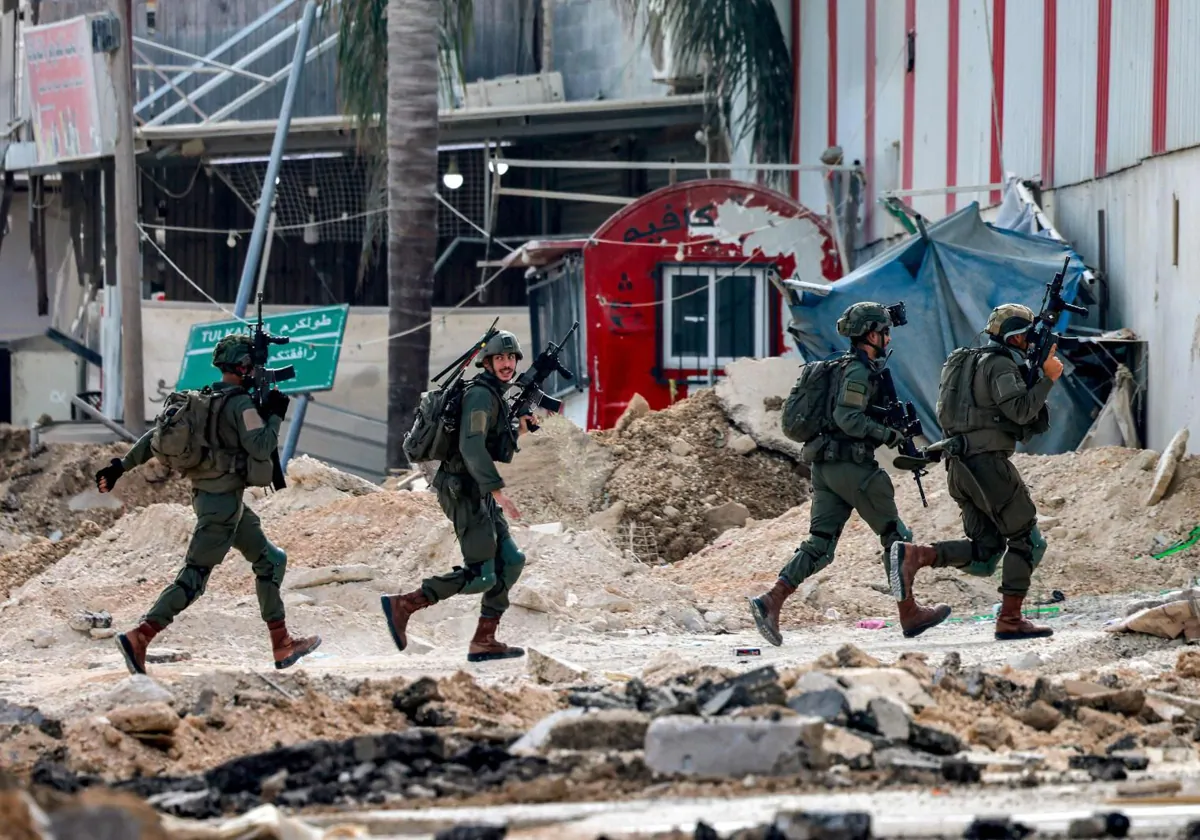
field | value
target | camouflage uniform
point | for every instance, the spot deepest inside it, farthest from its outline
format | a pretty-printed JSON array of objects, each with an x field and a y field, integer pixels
[
  {"x": 465, "y": 483},
  {"x": 998, "y": 514},
  {"x": 223, "y": 520},
  {"x": 847, "y": 478}
]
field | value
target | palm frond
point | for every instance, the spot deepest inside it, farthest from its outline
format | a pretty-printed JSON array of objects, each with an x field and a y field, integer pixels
[
  {"x": 742, "y": 44},
  {"x": 362, "y": 53}
]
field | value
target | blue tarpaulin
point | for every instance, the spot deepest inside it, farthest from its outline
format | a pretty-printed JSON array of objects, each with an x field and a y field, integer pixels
[{"x": 950, "y": 280}]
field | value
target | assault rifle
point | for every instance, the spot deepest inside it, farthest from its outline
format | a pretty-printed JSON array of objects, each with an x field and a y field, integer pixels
[
  {"x": 1041, "y": 332},
  {"x": 454, "y": 372},
  {"x": 529, "y": 384},
  {"x": 264, "y": 379},
  {"x": 903, "y": 418}
]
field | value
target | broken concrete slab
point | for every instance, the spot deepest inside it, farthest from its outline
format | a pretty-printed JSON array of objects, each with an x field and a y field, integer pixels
[
  {"x": 1167, "y": 465},
  {"x": 308, "y": 578},
  {"x": 743, "y": 394},
  {"x": 933, "y": 740},
  {"x": 742, "y": 445},
  {"x": 612, "y": 729},
  {"x": 733, "y": 746},
  {"x": 134, "y": 690},
  {"x": 829, "y": 704},
  {"x": 1128, "y": 701},
  {"x": 884, "y": 717},
  {"x": 839, "y": 746},
  {"x": 535, "y": 740},
  {"x": 550, "y": 670},
  {"x": 895, "y": 683},
  {"x": 1040, "y": 716}
]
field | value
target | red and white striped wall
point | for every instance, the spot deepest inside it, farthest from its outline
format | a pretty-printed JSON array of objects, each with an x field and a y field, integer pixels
[{"x": 1069, "y": 90}]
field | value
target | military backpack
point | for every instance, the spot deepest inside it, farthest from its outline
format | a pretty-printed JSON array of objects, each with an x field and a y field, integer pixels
[
  {"x": 433, "y": 434},
  {"x": 808, "y": 410},
  {"x": 957, "y": 412},
  {"x": 184, "y": 429}
]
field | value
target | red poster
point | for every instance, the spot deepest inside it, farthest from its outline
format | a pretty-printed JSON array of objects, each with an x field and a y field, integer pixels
[{"x": 62, "y": 90}]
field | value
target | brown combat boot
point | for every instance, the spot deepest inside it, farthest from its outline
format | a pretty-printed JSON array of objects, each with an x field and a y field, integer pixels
[
  {"x": 916, "y": 619},
  {"x": 1011, "y": 625},
  {"x": 484, "y": 646},
  {"x": 397, "y": 609},
  {"x": 765, "y": 609},
  {"x": 906, "y": 559},
  {"x": 288, "y": 648},
  {"x": 134, "y": 643}
]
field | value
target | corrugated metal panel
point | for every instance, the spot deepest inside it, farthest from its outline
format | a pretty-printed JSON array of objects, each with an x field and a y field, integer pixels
[
  {"x": 1075, "y": 108},
  {"x": 1131, "y": 83},
  {"x": 1022, "y": 150},
  {"x": 852, "y": 79},
  {"x": 814, "y": 72},
  {"x": 890, "y": 50},
  {"x": 929, "y": 137},
  {"x": 1183, "y": 75},
  {"x": 503, "y": 39},
  {"x": 975, "y": 100}
]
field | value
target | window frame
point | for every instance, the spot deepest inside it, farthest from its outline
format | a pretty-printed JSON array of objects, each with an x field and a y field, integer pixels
[{"x": 671, "y": 360}]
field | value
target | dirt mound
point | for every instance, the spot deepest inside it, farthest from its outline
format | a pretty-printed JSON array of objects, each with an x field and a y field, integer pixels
[
  {"x": 559, "y": 474},
  {"x": 1092, "y": 513},
  {"x": 675, "y": 466}
]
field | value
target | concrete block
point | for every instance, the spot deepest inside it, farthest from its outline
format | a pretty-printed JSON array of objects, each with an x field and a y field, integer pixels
[{"x": 733, "y": 746}]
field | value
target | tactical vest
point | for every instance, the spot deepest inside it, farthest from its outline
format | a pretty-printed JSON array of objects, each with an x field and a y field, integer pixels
[{"x": 958, "y": 411}]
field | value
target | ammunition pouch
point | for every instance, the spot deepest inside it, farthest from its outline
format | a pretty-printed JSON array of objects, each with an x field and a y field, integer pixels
[{"x": 828, "y": 449}]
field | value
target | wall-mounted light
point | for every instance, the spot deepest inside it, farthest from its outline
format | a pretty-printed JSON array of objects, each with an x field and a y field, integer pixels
[
  {"x": 452, "y": 178},
  {"x": 498, "y": 165}
]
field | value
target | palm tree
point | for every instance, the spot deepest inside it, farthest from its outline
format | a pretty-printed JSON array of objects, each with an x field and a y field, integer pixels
[
  {"x": 390, "y": 53},
  {"x": 741, "y": 45}
]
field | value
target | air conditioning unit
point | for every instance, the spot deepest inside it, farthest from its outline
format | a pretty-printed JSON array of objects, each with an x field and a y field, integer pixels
[
  {"x": 515, "y": 91},
  {"x": 669, "y": 67}
]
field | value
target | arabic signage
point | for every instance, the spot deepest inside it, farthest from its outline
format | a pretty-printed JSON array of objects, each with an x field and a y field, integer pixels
[
  {"x": 699, "y": 222},
  {"x": 314, "y": 349},
  {"x": 62, "y": 89}
]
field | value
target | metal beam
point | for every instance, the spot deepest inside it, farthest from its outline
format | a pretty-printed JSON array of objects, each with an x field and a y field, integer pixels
[
  {"x": 267, "y": 84},
  {"x": 158, "y": 71},
  {"x": 96, "y": 415},
  {"x": 668, "y": 166},
  {"x": 242, "y": 35},
  {"x": 202, "y": 59},
  {"x": 565, "y": 196},
  {"x": 249, "y": 58}
]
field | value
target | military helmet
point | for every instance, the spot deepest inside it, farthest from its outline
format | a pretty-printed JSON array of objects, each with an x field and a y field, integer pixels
[
  {"x": 863, "y": 317},
  {"x": 501, "y": 342},
  {"x": 232, "y": 351},
  {"x": 1009, "y": 319}
]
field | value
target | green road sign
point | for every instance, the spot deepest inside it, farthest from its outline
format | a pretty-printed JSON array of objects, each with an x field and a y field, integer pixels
[{"x": 316, "y": 339}]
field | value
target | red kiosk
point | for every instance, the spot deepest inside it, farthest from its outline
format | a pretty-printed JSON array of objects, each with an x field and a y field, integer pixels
[{"x": 670, "y": 289}]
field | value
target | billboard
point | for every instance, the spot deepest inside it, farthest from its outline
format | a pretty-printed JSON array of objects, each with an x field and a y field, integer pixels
[{"x": 63, "y": 101}]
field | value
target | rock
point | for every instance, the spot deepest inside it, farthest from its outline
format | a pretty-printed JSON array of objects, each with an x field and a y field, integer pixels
[
  {"x": 158, "y": 656},
  {"x": 742, "y": 445},
  {"x": 714, "y": 617},
  {"x": 839, "y": 746},
  {"x": 102, "y": 632},
  {"x": 733, "y": 747},
  {"x": 42, "y": 639},
  {"x": 144, "y": 717},
  {"x": 609, "y": 518},
  {"x": 1104, "y": 725},
  {"x": 414, "y": 696},
  {"x": 298, "y": 599},
  {"x": 435, "y": 714},
  {"x": 1040, "y": 716},
  {"x": 614, "y": 729},
  {"x": 759, "y": 687},
  {"x": 1128, "y": 701},
  {"x": 817, "y": 681},
  {"x": 308, "y": 578},
  {"x": 849, "y": 656},
  {"x": 828, "y": 704},
  {"x": 991, "y": 733},
  {"x": 681, "y": 448},
  {"x": 1188, "y": 664},
  {"x": 1079, "y": 688},
  {"x": 134, "y": 690},
  {"x": 13, "y": 715},
  {"x": 728, "y": 515},
  {"x": 888, "y": 682},
  {"x": 822, "y": 825},
  {"x": 688, "y": 618},
  {"x": 84, "y": 622},
  {"x": 1158, "y": 711},
  {"x": 1102, "y": 768},
  {"x": 534, "y": 595},
  {"x": 637, "y": 407},
  {"x": 933, "y": 740},
  {"x": 1166, "y": 467},
  {"x": 671, "y": 512},
  {"x": 551, "y": 671},
  {"x": 538, "y": 736},
  {"x": 884, "y": 717}
]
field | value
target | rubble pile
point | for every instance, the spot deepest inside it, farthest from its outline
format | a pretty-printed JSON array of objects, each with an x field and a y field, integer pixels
[
  {"x": 686, "y": 474},
  {"x": 1092, "y": 513}
]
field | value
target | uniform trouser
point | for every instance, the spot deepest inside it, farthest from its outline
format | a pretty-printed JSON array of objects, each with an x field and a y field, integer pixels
[
  {"x": 838, "y": 489},
  {"x": 491, "y": 561},
  {"x": 223, "y": 522},
  {"x": 999, "y": 520}
]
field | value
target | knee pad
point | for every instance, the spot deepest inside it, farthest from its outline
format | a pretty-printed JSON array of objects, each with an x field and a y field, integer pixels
[
  {"x": 192, "y": 580},
  {"x": 1037, "y": 546},
  {"x": 984, "y": 568},
  {"x": 480, "y": 578},
  {"x": 277, "y": 557},
  {"x": 512, "y": 562}
]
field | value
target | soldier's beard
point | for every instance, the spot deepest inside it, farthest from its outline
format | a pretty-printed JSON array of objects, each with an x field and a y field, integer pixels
[{"x": 505, "y": 374}]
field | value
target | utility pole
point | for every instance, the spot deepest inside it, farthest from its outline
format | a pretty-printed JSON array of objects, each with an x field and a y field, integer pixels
[{"x": 129, "y": 273}]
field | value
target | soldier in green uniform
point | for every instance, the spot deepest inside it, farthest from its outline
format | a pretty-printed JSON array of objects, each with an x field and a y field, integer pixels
[
  {"x": 244, "y": 441},
  {"x": 985, "y": 409},
  {"x": 847, "y": 478},
  {"x": 471, "y": 494}
]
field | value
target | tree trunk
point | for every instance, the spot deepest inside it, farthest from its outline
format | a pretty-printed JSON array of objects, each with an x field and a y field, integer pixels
[{"x": 412, "y": 134}]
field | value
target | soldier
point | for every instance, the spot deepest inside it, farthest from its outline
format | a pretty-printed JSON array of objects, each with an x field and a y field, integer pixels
[
  {"x": 985, "y": 409},
  {"x": 241, "y": 446},
  {"x": 471, "y": 494},
  {"x": 846, "y": 476}
]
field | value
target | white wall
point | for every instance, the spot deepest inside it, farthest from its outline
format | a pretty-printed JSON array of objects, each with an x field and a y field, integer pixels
[
  {"x": 1156, "y": 299},
  {"x": 43, "y": 381}
]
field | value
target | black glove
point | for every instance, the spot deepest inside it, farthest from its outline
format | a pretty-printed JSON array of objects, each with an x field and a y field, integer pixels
[
  {"x": 111, "y": 474},
  {"x": 894, "y": 437},
  {"x": 277, "y": 404}
]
